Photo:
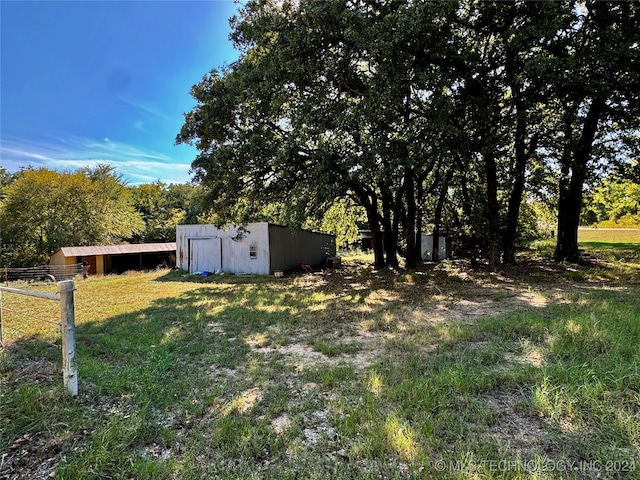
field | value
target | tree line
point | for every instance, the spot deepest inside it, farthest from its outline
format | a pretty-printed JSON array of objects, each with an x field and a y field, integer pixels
[
  {"x": 42, "y": 210},
  {"x": 456, "y": 116}
]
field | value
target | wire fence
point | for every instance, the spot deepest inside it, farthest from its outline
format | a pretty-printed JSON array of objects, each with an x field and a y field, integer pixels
[
  {"x": 41, "y": 273},
  {"x": 22, "y": 317},
  {"x": 17, "y": 325}
]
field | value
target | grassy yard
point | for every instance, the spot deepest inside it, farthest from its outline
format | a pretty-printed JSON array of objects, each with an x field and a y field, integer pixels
[
  {"x": 609, "y": 235},
  {"x": 446, "y": 372}
]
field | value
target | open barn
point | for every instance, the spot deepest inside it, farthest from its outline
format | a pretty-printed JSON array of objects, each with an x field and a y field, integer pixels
[{"x": 106, "y": 259}]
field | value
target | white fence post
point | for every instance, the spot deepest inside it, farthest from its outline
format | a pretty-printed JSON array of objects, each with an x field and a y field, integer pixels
[{"x": 69, "y": 364}]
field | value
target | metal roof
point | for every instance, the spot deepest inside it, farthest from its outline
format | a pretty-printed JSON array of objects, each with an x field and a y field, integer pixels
[{"x": 118, "y": 249}]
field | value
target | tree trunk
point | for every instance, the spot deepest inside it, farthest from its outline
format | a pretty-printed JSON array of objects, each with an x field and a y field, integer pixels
[
  {"x": 513, "y": 66},
  {"x": 411, "y": 260},
  {"x": 370, "y": 203},
  {"x": 437, "y": 220},
  {"x": 376, "y": 238},
  {"x": 493, "y": 211},
  {"x": 418, "y": 237},
  {"x": 515, "y": 199},
  {"x": 573, "y": 174},
  {"x": 390, "y": 236},
  {"x": 569, "y": 204},
  {"x": 467, "y": 209}
]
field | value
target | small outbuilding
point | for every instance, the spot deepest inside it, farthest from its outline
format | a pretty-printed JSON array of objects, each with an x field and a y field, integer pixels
[
  {"x": 257, "y": 248},
  {"x": 426, "y": 246},
  {"x": 105, "y": 259}
]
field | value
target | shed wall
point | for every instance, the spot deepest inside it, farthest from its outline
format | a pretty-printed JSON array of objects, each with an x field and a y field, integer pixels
[
  {"x": 186, "y": 232},
  {"x": 205, "y": 245},
  {"x": 249, "y": 253},
  {"x": 260, "y": 249},
  {"x": 289, "y": 248},
  {"x": 58, "y": 258}
]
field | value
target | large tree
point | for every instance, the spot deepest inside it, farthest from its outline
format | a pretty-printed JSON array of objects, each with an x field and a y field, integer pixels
[
  {"x": 400, "y": 105},
  {"x": 163, "y": 206},
  {"x": 264, "y": 127},
  {"x": 327, "y": 101},
  {"x": 595, "y": 102},
  {"x": 499, "y": 85}
]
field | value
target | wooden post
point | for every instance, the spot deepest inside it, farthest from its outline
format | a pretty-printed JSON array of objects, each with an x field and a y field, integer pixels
[{"x": 69, "y": 364}]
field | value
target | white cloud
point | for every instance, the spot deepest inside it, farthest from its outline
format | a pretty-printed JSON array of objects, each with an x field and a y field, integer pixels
[
  {"x": 148, "y": 109},
  {"x": 137, "y": 165}
]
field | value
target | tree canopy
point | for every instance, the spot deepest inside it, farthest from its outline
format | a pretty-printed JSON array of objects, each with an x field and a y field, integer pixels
[
  {"x": 42, "y": 210},
  {"x": 418, "y": 112},
  {"x": 162, "y": 207},
  {"x": 615, "y": 202}
]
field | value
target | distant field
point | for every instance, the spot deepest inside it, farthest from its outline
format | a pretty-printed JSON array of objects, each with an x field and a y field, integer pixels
[{"x": 609, "y": 235}]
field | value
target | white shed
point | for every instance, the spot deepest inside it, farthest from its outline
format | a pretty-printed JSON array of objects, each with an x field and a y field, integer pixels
[
  {"x": 426, "y": 245},
  {"x": 258, "y": 248}
]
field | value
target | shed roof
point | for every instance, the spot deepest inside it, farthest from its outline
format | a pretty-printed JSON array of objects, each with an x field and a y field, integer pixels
[{"x": 117, "y": 249}]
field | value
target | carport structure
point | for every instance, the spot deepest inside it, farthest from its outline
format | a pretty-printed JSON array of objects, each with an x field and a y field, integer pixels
[{"x": 105, "y": 259}]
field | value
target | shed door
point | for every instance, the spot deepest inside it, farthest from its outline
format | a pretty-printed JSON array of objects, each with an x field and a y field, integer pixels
[{"x": 205, "y": 255}]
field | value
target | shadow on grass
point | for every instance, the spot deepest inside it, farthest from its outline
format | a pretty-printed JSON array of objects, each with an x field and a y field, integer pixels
[
  {"x": 615, "y": 252},
  {"x": 143, "y": 377},
  {"x": 541, "y": 390},
  {"x": 625, "y": 247},
  {"x": 151, "y": 386}
]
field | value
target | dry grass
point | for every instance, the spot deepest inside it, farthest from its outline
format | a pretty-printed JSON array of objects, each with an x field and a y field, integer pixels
[{"x": 609, "y": 235}]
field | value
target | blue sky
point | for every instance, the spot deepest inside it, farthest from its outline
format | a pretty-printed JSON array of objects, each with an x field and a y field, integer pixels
[{"x": 86, "y": 82}]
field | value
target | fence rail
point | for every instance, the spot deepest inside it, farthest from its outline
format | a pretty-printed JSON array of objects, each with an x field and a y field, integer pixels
[
  {"x": 67, "y": 325},
  {"x": 31, "y": 293},
  {"x": 45, "y": 273}
]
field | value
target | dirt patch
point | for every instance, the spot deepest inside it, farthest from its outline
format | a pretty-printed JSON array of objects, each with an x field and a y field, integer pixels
[
  {"x": 463, "y": 309},
  {"x": 369, "y": 334},
  {"x": 317, "y": 428},
  {"x": 487, "y": 304},
  {"x": 157, "y": 451},
  {"x": 281, "y": 424},
  {"x": 514, "y": 431},
  {"x": 34, "y": 371},
  {"x": 218, "y": 373},
  {"x": 304, "y": 356},
  {"x": 25, "y": 455}
]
